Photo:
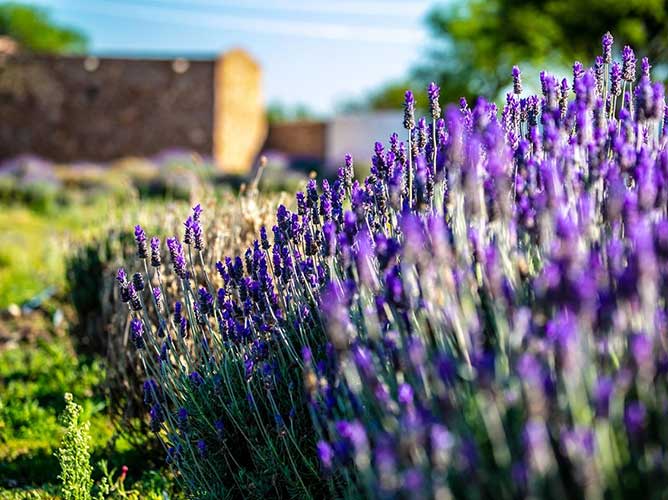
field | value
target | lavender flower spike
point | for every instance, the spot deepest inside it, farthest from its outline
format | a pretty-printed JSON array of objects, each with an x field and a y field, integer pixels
[
  {"x": 606, "y": 41},
  {"x": 140, "y": 239},
  {"x": 434, "y": 92},
  {"x": 409, "y": 111},
  {"x": 177, "y": 256},
  {"x": 517, "y": 80},
  {"x": 155, "y": 252},
  {"x": 137, "y": 333},
  {"x": 628, "y": 64}
]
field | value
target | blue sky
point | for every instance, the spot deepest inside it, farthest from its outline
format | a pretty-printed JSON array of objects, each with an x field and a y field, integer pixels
[{"x": 317, "y": 52}]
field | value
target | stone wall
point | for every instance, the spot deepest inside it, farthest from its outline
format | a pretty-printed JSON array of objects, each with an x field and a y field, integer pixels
[
  {"x": 301, "y": 139},
  {"x": 84, "y": 108}
]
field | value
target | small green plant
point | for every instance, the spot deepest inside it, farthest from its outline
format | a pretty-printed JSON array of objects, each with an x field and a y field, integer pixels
[{"x": 74, "y": 454}]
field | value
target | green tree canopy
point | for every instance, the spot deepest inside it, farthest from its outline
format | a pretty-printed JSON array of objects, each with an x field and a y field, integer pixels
[
  {"x": 476, "y": 42},
  {"x": 32, "y": 28}
]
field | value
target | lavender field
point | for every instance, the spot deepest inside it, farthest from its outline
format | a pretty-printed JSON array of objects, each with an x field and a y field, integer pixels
[
  {"x": 483, "y": 315},
  {"x": 476, "y": 308}
]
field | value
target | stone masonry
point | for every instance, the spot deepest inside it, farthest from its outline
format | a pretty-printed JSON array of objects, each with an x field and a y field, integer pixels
[{"x": 98, "y": 109}]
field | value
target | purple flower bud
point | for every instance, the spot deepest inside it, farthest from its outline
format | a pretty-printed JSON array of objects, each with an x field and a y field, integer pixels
[
  {"x": 157, "y": 417},
  {"x": 606, "y": 41},
  {"x": 188, "y": 233},
  {"x": 409, "y": 110},
  {"x": 635, "y": 416},
  {"x": 434, "y": 92},
  {"x": 138, "y": 281},
  {"x": 517, "y": 80},
  {"x": 197, "y": 235},
  {"x": 220, "y": 428},
  {"x": 137, "y": 333},
  {"x": 155, "y": 252},
  {"x": 121, "y": 276},
  {"x": 578, "y": 72},
  {"x": 182, "y": 420},
  {"x": 196, "y": 379},
  {"x": 645, "y": 67},
  {"x": 405, "y": 395},
  {"x": 197, "y": 212},
  {"x": 325, "y": 454},
  {"x": 615, "y": 79},
  {"x": 201, "y": 445},
  {"x": 150, "y": 391},
  {"x": 135, "y": 302},
  {"x": 628, "y": 64},
  {"x": 140, "y": 239},
  {"x": 602, "y": 395},
  {"x": 599, "y": 72},
  {"x": 177, "y": 256}
]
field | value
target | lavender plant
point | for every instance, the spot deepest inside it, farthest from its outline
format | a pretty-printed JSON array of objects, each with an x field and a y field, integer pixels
[{"x": 485, "y": 314}]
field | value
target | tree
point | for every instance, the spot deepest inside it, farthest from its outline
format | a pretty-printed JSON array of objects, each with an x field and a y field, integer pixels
[
  {"x": 476, "y": 42},
  {"x": 34, "y": 31}
]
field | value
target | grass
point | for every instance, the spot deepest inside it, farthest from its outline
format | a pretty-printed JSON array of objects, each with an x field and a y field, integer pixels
[
  {"x": 33, "y": 379},
  {"x": 33, "y": 245},
  {"x": 39, "y": 362}
]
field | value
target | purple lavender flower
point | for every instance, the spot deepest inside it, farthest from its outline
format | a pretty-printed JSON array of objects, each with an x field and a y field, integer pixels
[
  {"x": 201, "y": 447},
  {"x": 325, "y": 454},
  {"x": 409, "y": 111},
  {"x": 196, "y": 379},
  {"x": 188, "y": 231},
  {"x": 182, "y": 419},
  {"x": 615, "y": 79},
  {"x": 151, "y": 391},
  {"x": 628, "y": 64},
  {"x": 177, "y": 256},
  {"x": 140, "y": 240},
  {"x": 133, "y": 297},
  {"x": 157, "y": 417},
  {"x": 599, "y": 72},
  {"x": 197, "y": 212},
  {"x": 606, "y": 41},
  {"x": 517, "y": 80},
  {"x": 155, "y": 252},
  {"x": 197, "y": 235},
  {"x": 635, "y": 415},
  {"x": 138, "y": 281},
  {"x": 645, "y": 67},
  {"x": 578, "y": 72},
  {"x": 220, "y": 428},
  {"x": 121, "y": 277},
  {"x": 137, "y": 333},
  {"x": 434, "y": 92}
]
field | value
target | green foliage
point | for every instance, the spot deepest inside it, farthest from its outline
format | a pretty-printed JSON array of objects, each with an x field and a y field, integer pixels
[
  {"x": 388, "y": 97},
  {"x": 33, "y": 245},
  {"x": 476, "y": 42},
  {"x": 32, "y": 381},
  {"x": 32, "y": 28},
  {"x": 74, "y": 454},
  {"x": 278, "y": 112}
]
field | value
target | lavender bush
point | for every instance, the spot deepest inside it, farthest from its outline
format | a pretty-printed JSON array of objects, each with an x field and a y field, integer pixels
[{"x": 485, "y": 315}]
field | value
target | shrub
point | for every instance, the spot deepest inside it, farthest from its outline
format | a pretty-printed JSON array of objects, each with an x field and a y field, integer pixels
[
  {"x": 100, "y": 312},
  {"x": 494, "y": 301},
  {"x": 74, "y": 454}
]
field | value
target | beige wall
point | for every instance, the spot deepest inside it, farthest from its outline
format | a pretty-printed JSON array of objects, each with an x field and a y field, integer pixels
[{"x": 240, "y": 126}]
